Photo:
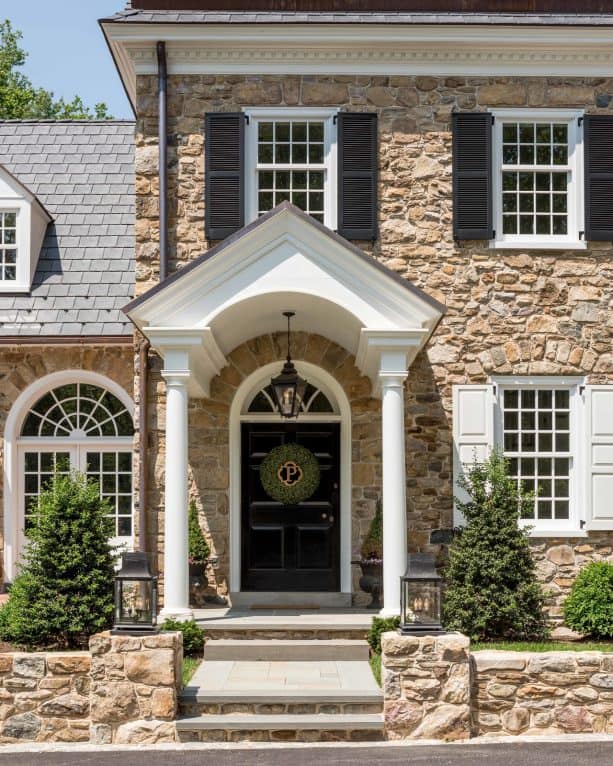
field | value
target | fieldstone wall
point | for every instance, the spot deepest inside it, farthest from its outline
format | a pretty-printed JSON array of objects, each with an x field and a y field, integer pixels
[
  {"x": 123, "y": 691},
  {"x": 559, "y": 561},
  {"x": 134, "y": 687},
  {"x": 44, "y": 697},
  {"x": 508, "y": 312},
  {"x": 435, "y": 688},
  {"x": 22, "y": 365},
  {"x": 549, "y": 693},
  {"x": 426, "y": 686}
]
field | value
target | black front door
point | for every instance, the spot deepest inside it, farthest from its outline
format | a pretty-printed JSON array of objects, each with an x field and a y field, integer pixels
[{"x": 290, "y": 548}]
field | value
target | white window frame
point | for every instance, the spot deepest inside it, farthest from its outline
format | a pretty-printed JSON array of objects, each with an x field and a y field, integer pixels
[
  {"x": 572, "y": 240},
  {"x": 574, "y": 525},
  {"x": 22, "y": 280},
  {"x": 77, "y": 450},
  {"x": 271, "y": 114}
]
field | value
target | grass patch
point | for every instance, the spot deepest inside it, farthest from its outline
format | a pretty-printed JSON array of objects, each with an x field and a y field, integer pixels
[
  {"x": 544, "y": 646},
  {"x": 375, "y": 664},
  {"x": 189, "y": 668}
]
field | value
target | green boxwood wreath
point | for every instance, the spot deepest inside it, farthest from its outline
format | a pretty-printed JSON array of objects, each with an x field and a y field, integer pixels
[{"x": 302, "y": 489}]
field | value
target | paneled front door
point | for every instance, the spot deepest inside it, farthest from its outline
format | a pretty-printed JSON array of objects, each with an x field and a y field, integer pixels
[{"x": 290, "y": 548}]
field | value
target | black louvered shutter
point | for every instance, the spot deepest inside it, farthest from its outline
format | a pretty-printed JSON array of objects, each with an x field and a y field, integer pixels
[
  {"x": 357, "y": 175},
  {"x": 598, "y": 162},
  {"x": 224, "y": 152},
  {"x": 472, "y": 175}
]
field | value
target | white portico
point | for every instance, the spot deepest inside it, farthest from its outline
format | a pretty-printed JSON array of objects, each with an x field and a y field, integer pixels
[{"x": 237, "y": 291}]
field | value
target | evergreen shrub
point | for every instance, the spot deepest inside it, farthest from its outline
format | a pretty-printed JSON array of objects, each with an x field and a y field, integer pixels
[
  {"x": 198, "y": 547},
  {"x": 193, "y": 636},
  {"x": 380, "y": 625},
  {"x": 63, "y": 592},
  {"x": 589, "y": 606},
  {"x": 492, "y": 591}
]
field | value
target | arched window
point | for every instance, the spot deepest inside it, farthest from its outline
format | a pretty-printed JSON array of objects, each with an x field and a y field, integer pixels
[
  {"x": 79, "y": 426},
  {"x": 315, "y": 402}
]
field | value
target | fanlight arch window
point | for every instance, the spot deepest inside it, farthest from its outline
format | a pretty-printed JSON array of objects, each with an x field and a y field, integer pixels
[
  {"x": 84, "y": 427},
  {"x": 78, "y": 410},
  {"x": 315, "y": 402}
]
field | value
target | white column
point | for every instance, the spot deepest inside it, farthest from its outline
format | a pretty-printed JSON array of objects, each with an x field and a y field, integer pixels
[
  {"x": 392, "y": 376},
  {"x": 176, "y": 571}
]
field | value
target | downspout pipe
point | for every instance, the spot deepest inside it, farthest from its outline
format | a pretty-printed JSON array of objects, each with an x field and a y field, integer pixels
[
  {"x": 143, "y": 426},
  {"x": 163, "y": 156}
]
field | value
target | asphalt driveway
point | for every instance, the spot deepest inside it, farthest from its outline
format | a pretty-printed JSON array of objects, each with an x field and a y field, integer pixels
[{"x": 586, "y": 753}]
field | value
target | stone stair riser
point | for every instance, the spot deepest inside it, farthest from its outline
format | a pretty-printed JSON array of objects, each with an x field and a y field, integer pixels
[
  {"x": 196, "y": 709},
  {"x": 286, "y": 650},
  {"x": 284, "y": 735}
]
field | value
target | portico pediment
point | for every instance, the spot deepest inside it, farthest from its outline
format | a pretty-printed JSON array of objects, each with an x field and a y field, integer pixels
[{"x": 284, "y": 260}]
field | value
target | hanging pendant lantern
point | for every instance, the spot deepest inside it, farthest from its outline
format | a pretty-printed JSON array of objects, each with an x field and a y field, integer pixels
[{"x": 288, "y": 386}]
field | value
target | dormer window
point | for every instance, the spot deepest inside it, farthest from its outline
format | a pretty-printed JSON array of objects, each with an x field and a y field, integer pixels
[
  {"x": 8, "y": 246},
  {"x": 23, "y": 224}
]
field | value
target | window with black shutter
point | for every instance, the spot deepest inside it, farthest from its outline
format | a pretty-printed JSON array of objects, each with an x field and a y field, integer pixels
[
  {"x": 598, "y": 143},
  {"x": 224, "y": 174},
  {"x": 357, "y": 175},
  {"x": 472, "y": 175}
]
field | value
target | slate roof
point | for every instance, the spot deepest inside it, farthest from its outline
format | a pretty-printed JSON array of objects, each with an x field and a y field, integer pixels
[
  {"x": 131, "y": 15},
  {"x": 83, "y": 173}
]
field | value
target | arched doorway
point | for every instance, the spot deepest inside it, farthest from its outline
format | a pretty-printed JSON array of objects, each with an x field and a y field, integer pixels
[{"x": 277, "y": 547}]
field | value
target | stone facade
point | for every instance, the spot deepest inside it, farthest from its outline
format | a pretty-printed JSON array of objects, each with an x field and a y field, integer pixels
[
  {"x": 508, "y": 312},
  {"x": 426, "y": 686},
  {"x": 435, "y": 688},
  {"x": 123, "y": 691},
  {"x": 45, "y": 697},
  {"x": 22, "y": 365},
  {"x": 543, "y": 694}
]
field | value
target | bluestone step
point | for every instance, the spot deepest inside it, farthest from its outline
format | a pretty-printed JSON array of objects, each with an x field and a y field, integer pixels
[{"x": 285, "y": 649}]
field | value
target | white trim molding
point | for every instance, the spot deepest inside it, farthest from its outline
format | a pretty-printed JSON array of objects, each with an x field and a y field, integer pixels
[
  {"x": 256, "y": 115},
  {"x": 370, "y": 49},
  {"x": 13, "y": 443},
  {"x": 253, "y": 383},
  {"x": 574, "y": 169}
]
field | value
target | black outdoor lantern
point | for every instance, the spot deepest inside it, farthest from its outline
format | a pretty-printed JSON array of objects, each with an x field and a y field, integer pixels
[
  {"x": 420, "y": 596},
  {"x": 136, "y": 591},
  {"x": 288, "y": 386}
]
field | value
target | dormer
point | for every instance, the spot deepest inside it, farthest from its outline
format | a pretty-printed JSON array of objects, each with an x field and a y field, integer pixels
[{"x": 23, "y": 223}]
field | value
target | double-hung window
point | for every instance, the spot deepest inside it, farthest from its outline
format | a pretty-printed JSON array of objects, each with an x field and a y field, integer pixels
[
  {"x": 537, "y": 430},
  {"x": 291, "y": 157},
  {"x": 538, "y": 179}
]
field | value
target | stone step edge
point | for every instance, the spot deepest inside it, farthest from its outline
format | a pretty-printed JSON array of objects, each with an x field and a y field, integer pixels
[
  {"x": 287, "y": 722},
  {"x": 274, "y": 696},
  {"x": 281, "y": 649}
]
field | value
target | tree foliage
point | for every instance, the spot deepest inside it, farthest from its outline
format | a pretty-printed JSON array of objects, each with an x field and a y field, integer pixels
[
  {"x": 21, "y": 100},
  {"x": 589, "y": 607},
  {"x": 198, "y": 547},
  {"x": 492, "y": 591},
  {"x": 63, "y": 592}
]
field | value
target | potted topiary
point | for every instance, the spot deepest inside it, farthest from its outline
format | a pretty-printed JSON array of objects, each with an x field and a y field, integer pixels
[
  {"x": 371, "y": 561},
  {"x": 199, "y": 550}
]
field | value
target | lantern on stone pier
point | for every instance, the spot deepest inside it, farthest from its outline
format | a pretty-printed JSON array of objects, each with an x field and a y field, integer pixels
[
  {"x": 136, "y": 593},
  {"x": 420, "y": 597}
]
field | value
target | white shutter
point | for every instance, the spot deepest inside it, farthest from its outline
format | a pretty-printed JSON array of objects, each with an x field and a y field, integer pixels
[
  {"x": 599, "y": 456},
  {"x": 473, "y": 432}
]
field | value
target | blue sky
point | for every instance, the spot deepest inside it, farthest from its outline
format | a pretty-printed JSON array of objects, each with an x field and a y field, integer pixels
[{"x": 67, "y": 51}]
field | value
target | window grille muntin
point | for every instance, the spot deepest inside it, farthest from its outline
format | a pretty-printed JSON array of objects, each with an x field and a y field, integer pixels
[
  {"x": 8, "y": 246},
  {"x": 537, "y": 442}
]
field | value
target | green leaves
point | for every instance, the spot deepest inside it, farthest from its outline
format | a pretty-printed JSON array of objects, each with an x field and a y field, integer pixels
[
  {"x": 589, "y": 607},
  {"x": 198, "y": 548},
  {"x": 492, "y": 591},
  {"x": 20, "y": 100},
  {"x": 64, "y": 590}
]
